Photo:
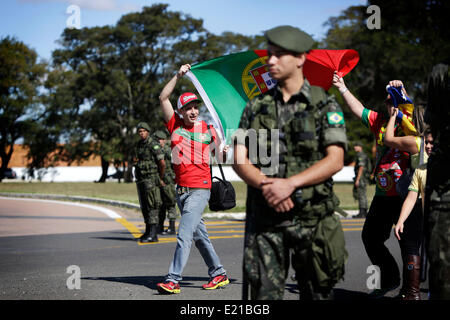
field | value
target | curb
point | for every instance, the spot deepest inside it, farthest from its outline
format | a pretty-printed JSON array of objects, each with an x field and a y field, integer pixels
[
  {"x": 71, "y": 198},
  {"x": 122, "y": 204}
]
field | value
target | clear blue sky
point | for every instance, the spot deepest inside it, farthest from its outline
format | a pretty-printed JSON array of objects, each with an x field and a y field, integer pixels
[{"x": 39, "y": 23}]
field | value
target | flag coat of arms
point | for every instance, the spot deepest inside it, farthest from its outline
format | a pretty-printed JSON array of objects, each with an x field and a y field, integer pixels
[
  {"x": 263, "y": 79},
  {"x": 227, "y": 83}
]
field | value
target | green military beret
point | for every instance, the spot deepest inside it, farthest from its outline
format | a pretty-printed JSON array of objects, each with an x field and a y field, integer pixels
[
  {"x": 358, "y": 143},
  {"x": 289, "y": 38},
  {"x": 161, "y": 134},
  {"x": 143, "y": 125}
]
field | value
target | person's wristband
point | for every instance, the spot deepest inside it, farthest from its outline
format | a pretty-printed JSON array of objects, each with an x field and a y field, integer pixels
[{"x": 343, "y": 91}]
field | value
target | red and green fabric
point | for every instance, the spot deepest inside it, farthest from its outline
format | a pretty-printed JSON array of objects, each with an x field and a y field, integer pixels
[
  {"x": 390, "y": 163},
  {"x": 190, "y": 152},
  {"x": 227, "y": 83}
]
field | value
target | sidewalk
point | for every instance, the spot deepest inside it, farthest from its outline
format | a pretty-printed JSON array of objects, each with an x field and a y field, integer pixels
[{"x": 241, "y": 215}]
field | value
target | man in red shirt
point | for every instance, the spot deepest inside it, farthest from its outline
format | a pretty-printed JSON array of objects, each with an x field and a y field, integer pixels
[{"x": 191, "y": 142}]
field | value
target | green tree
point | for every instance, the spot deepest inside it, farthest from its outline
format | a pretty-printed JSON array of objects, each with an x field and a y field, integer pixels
[
  {"x": 412, "y": 38},
  {"x": 56, "y": 120},
  {"x": 120, "y": 71},
  {"x": 21, "y": 76}
]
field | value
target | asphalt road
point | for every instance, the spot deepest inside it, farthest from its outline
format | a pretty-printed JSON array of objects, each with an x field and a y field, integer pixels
[{"x": 62, "y": 251}]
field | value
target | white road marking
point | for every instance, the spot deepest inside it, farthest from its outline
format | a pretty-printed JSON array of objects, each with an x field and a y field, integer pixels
[{"x": 111, "y": 214}]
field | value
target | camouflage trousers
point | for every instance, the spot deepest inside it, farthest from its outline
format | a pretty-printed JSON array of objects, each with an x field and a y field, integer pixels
[
  {"x": 149, "y": 200},
  {"x": 439, "y": 250},
  {"x": 360, "y": 194},
  {"x": 168, "y": 203},
  {"x": 267, "y": 258}
]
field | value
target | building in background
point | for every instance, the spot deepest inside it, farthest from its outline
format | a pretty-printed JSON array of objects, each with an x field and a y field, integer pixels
[{"x": 90, "y": 170}]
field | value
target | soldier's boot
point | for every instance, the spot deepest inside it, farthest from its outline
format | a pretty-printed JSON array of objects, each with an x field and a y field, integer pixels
[
  {"x": 153, "y": 234},
  {"x": 362, "y": 213},
  {"x": 411, "y": 274},
  {"x": 171, "y": 228},
  {"x": 161, "y": 228},
  {"x": 146, "y": 232}
]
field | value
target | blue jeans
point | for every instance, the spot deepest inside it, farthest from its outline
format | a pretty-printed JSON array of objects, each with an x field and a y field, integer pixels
[{"x": 192, "y": 227}]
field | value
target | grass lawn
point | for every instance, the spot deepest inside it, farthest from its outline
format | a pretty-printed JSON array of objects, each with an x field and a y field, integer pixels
[{"x": 127, "y": 191}]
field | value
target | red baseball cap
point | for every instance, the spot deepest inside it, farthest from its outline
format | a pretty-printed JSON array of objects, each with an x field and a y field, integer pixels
[{"x": 186, "y": 98}]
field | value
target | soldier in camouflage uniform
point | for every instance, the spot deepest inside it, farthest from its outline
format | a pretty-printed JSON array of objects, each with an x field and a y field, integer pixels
[
  {"x": 149, "y": 172},
  {"x": 168, "y": 188},
  {"x": 361, "y": 179},
  {"x": 437, "y": 190},
  {"x": 290, "y": 201}
]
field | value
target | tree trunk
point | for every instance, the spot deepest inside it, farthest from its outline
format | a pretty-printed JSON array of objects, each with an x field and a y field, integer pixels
[
  {"x": 128, "y": 173},
  {"x": 6, "y": 157},
  {"x": 105, "y": 166}
]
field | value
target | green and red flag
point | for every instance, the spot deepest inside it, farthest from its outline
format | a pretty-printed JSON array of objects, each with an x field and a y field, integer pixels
[{"x": 227, "y": 83}]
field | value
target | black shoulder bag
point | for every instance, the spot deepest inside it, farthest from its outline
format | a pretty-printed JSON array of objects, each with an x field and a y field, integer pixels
[{"x": 223, "y": 196}]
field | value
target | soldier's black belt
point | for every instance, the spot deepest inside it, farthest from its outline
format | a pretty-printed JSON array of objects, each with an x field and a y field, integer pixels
[{"x": 181, "y": 190}]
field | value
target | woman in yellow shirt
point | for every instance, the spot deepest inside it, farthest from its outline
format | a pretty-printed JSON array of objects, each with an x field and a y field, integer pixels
[
  {"x": 411, "y": 239},
  {"x": 416, "y": 188}
]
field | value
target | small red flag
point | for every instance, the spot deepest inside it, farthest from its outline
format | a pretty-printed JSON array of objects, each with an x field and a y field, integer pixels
[{"x": 320, "y": 65}]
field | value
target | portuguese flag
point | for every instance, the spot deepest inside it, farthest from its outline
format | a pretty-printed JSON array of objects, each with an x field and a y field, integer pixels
[{"x": 226, "y": 83}]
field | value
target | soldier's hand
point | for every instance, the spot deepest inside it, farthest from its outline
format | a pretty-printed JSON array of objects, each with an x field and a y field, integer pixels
[
  {"x": 356, "y": 183},
  {"x": 162, "y": 183},
  {"x": 276, "y": 190},
  {"x": 285, "y": 205}
]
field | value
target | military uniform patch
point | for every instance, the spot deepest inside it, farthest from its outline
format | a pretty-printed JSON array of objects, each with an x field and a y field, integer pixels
[{"x": 335, "y": 117}]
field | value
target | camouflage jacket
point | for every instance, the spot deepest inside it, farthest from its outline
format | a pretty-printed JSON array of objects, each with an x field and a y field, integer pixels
[
  {"x": 148, "y": 153},
  {"x": 286, "y": 138},
  {"x": 362, "y": 160},
  {"x": 169, "y": 175}
]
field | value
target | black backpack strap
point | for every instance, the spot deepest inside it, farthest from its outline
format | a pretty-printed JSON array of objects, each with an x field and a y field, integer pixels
[
  {"x": 221, "y": 171},
  {"x": 210, "y": 166}
]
